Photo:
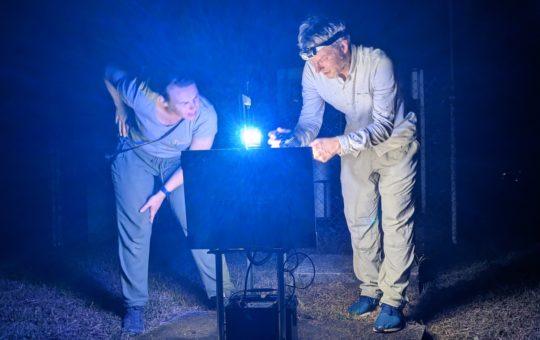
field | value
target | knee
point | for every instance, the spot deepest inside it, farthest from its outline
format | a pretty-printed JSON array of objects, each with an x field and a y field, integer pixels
[{"x": 398, "y": 238}]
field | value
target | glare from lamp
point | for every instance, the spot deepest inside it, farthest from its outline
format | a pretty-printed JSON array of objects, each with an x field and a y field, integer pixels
[{"x": 251, "y": 137}]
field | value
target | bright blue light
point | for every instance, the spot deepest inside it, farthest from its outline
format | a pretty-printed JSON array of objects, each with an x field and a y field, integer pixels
[{"x": 251, "y": 137}]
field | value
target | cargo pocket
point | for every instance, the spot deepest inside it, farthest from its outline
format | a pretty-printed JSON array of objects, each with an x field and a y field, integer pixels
[{"x": 395, "y": 156}]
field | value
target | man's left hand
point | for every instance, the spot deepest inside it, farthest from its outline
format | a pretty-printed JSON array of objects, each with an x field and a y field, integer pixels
[
  {"x": 121, "y": 120},
  {"x": 325, "y": 148},
  {"x": 153, "y": 203}
]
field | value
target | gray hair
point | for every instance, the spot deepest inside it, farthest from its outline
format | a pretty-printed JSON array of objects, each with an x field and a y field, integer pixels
[{"x": 315, "y": 30}]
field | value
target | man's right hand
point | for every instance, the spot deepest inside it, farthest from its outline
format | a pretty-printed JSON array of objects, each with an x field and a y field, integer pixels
[
  {"x": 121, "y": 120},
  {"x": 153, "y": 204},
  {"x": 273, "y": 139}
]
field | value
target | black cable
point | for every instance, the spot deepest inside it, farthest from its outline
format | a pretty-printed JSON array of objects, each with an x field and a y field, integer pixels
[
  {"x": 293, "y": 286},
  {"x": 296, "y": 255},
  {"x": 124, "y": 140},
  {"x": 246, "y": 279},
  {"x": 252, "y": 261},
  {"x": 293, "y": 266}
]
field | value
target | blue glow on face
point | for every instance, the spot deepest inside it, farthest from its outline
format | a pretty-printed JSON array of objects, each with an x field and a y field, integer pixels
[{"x": 251, "y": 137}]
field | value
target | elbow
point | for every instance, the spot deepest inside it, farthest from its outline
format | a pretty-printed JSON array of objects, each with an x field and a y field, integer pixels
[
  {"x": 380, "y": 133},
  {"x": 113, "y": 74}
]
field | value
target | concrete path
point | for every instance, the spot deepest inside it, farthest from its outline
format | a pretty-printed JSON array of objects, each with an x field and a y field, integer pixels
[{"x": 203, "y": 326}]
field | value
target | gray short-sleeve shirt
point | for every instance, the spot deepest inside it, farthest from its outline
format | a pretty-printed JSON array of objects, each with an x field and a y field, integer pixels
[{"x": 147, "y": 128}]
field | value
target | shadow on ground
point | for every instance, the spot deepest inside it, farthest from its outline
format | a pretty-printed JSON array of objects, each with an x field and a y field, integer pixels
[{"x": 519, "y": 271}]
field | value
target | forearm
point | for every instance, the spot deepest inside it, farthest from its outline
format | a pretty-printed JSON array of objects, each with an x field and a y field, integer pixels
[
  {"x": 175, "y": 181},
  {"x": 373, "y": 134},
  {"x": 311, "y": 116},
  {"x": 308, "y": 127},
  {"x": 114, "y": 94}
]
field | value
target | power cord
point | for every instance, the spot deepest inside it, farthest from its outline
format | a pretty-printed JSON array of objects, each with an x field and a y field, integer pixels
[
  {"x": 295, "y": 256},
  {"x": 291, "y": 264}
]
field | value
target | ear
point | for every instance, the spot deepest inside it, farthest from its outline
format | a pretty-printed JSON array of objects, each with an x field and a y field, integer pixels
[
  {"x": 162, "y": 101},
  {"x": 344, "y": 45}
]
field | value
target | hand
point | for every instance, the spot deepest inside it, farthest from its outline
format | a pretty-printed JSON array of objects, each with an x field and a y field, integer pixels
[
  {"x": 272, "y": 138},
  {"x": 325, "y": 148},
  {"x": 153, "y": 203},
  {"x": 121, "y": 120}
]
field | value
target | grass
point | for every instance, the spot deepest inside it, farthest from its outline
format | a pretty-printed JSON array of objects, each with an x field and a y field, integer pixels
[{"x": 76, "y": 294}]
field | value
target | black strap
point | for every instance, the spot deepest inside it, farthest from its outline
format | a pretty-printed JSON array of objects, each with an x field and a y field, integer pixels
[{"x": 121, "y": 150}]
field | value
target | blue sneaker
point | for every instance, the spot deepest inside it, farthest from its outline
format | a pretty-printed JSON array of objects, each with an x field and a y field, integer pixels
[
  {"x": 133, "y": 322},
  {"x": 363, "y": 306},
  {"x": 389, "y": 320}
]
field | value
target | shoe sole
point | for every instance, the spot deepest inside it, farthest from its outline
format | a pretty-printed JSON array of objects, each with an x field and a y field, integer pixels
[
  {"x": 360, "y": 315},
  {"x": 389, "y": 330}
]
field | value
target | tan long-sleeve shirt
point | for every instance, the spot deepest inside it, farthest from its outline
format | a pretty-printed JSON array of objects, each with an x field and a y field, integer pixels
[{"x": 368, "y": 98}]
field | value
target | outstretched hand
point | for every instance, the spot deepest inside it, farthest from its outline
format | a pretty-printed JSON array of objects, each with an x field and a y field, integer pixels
[
  {"x": 153, "y": 204},
  {"x": 273, "y": 141}
]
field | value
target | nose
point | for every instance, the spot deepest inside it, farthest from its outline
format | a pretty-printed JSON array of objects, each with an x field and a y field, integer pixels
[{"x": 194, "y": 106}]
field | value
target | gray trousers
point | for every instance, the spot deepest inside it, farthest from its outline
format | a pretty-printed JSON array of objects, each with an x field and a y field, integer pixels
[
  {"x": 382, "y": 257},
  {"x": 133, "y": 174}
]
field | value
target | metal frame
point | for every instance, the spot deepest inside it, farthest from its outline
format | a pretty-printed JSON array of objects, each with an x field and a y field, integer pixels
[{"x": 220, "y": 306}]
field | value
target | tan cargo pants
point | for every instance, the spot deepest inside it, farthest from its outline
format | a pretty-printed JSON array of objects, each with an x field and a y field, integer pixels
[{"x": 382, "y": 252}]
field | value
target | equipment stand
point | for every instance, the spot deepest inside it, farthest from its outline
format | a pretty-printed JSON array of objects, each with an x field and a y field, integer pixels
[{"x": 220, "y": 307}]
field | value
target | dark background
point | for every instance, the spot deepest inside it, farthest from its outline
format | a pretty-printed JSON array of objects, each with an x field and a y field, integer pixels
[{"x": 57, "y": 118}]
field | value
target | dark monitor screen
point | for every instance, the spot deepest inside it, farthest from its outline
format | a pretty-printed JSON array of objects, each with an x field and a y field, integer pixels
[{"x": 249, "y": 198}]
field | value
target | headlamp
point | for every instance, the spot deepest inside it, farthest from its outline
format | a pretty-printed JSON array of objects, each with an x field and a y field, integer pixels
[{"x": 308, "y": 53}]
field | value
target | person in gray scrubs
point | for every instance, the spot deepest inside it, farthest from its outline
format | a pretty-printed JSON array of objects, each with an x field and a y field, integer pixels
[
  {"x": 161, "y": 127},
  {"x": 378, "y": 164}
]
